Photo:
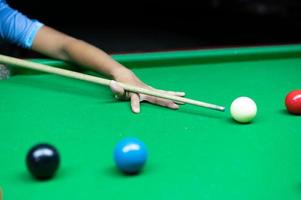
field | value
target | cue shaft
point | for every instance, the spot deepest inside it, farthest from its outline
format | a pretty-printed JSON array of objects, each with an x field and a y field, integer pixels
[{"x": 67, "y": 73}]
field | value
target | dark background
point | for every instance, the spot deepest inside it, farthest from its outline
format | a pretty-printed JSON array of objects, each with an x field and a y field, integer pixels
[{"x": 126, "y": 26}]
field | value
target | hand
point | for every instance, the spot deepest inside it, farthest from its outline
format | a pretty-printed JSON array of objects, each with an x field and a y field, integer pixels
[{"x": 130, "y": 78}]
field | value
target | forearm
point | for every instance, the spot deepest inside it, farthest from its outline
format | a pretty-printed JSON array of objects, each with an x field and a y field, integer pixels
[
  {"x": 77, "y": 51},
  {"x": 87, "y": 55}
]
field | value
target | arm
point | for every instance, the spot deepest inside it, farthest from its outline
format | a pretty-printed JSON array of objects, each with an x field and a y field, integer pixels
[
  {"x": 77, "y": 51},
  {"x": 18, "y": 29},
  {"x": 82, "y": 53}
]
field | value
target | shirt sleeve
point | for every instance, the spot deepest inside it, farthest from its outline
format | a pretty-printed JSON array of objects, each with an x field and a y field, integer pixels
[{"x": 16, "y": 27}]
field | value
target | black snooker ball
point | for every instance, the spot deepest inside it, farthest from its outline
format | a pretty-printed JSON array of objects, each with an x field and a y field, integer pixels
[{"x": 42, "y": 161}]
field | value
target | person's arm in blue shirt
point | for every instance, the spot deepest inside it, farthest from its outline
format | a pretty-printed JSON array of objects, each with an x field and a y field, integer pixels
[
  {"x": 53, "y": 43},
  {"x": 16, "y": 27}
]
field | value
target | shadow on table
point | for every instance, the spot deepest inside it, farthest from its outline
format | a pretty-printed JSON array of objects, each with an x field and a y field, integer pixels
[
  {"x": 286, "y": 113},
  {"x": 113, "y": 172},
  {"x": 298, "y": 189},
  {"x": 99, "y": 92},
  {"x": 26, "y": 177},
  {"x": 231, "y": 121},
  {"x": 201, "y": 112}
]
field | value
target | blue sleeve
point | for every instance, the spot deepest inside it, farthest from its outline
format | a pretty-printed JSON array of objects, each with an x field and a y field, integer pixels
[{"x": 16, "y": 27}]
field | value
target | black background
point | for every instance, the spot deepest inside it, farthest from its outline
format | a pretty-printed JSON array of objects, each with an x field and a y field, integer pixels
[{"x": 128, "y": 26}]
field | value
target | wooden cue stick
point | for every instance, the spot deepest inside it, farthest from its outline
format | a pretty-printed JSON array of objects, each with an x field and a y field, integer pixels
[{"x": 67, "y": 73}]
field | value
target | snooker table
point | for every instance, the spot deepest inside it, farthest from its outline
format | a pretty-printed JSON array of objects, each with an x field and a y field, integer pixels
[{"x": 194, "y": 152}]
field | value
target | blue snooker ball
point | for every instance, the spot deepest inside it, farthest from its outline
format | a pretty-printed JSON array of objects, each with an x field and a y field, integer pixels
[{"x": 130, "y": 155}]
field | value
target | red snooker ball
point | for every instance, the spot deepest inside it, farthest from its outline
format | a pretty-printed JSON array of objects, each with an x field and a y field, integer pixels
[{"x": 293, "y": 102}]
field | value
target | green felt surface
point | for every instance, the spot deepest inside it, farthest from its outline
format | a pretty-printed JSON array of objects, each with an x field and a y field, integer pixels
[{"x": 194, "y": 153}]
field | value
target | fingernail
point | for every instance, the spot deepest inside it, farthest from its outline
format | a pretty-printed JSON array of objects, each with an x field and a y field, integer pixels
[
  {"x": 136, "y": 110},
  {"x": 175, "y": 106}
]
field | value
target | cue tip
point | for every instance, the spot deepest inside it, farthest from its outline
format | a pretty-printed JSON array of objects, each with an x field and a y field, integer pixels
[{"x": 221, "y": 108}]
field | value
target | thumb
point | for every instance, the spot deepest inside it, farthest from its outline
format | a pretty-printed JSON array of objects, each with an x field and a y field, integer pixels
[
  {"x": 135, "y": 103},
  {"x": 117, "y": 89}
]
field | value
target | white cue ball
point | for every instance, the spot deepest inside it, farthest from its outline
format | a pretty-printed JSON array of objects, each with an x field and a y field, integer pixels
[{"x": 243, "y": 109}]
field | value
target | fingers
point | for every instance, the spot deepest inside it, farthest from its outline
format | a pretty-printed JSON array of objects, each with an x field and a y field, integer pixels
[
  {"x": 116, "y": 88},
  {"x": 161, "y": 102},
  {"x": 135, "y": 102},
  {"x": 135, "y": 98},
  {"x": 173, "y": 93},
  {"x": 119, "y": 92},
  {"x": 180, "y": 94}
]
